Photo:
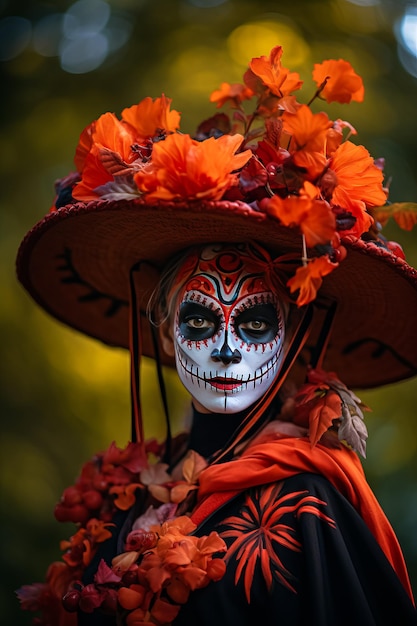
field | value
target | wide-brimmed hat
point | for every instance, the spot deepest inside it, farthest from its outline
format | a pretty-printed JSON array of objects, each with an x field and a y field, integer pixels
[{"x": 290, "y": 180}]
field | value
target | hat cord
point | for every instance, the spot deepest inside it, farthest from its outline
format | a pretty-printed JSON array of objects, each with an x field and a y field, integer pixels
[
  {"x": 252, "y": 423},
  {"x": 317, "y": 357},
  {"x": 163, "y": 394},
  {"x": 135, "y": 345}
]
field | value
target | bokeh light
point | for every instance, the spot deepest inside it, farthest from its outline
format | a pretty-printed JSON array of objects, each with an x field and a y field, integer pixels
[
  {"x": 15, "y": 35},
  {"x": 83, "y": 37},
  {"x": 206, "y": 4},
  {"x": 406, "y": 32},
  {"x": 257, "y": 38}
]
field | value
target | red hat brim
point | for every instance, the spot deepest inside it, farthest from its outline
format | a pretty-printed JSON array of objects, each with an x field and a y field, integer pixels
[{"x": 76, "y": 263}]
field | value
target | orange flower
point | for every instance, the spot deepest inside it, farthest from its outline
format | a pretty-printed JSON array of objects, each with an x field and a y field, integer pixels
[
  {"x": 234, "y": 93},
  {"x": 335, "y": 135},
  {"x": 308, "y": 278},
  {"x": 182, "y": 525},
  {"x": 308, "y": 130},
  {"x": 279, "y": 80},
  {"x": 150, "y": 117},
  {"x": 125, "y": 495},
  {"x": 98, "y": 530},
  {"x": 107, "y": 146},
  {"x": 183, "y": 168},
  {"x": 107, "y": 134},
  {"x": 164, "y": 612},
  {"x": 82, "y": 546},
  {"x": 342, "y": 83},
  {"x": 358, "y": 183},
  {"x": 84, "y": 146},
  {"x": 131, "y": 597},
  {"x": 357, "y": 175},
  {"x": 308, "y": 138},
  {"x": 314, "y": 217}
]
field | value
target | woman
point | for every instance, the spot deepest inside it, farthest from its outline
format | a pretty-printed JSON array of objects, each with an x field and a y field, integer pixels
[{"x": 250, "y": 261}]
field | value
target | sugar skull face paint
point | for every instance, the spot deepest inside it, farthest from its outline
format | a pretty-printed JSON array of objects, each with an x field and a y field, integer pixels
[{"x": 228, "y": 330}]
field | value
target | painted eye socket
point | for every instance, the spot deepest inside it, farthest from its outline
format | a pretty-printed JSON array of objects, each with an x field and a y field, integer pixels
[
  {"x": 257, "y": 324},
  {"x": 197, "y": 322}
]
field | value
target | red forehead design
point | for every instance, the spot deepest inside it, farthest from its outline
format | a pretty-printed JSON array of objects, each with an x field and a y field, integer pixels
[{"x": 223, "y": 272}]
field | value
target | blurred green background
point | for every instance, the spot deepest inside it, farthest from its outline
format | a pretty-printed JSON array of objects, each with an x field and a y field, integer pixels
[{"x": 63, "y": 63}]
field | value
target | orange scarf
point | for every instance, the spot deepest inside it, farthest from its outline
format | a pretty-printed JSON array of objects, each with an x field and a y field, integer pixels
[{"x": 281, "y": 458}]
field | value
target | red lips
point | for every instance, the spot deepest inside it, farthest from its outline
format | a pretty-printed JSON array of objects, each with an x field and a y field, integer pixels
[{"x": 226, "y": 384}]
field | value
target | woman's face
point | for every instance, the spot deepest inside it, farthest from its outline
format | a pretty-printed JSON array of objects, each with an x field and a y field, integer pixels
[{"x": 228, "y": 330}]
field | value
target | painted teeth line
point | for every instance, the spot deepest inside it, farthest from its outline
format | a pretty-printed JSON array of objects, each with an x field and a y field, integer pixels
[{"x": 264, "y": 371}]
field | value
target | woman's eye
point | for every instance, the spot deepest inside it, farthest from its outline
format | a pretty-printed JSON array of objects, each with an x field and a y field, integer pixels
[
  {"x": 258, "y": 323},
  {"x": 199, "y": 322},
  {"x": 255, "y": 325}
]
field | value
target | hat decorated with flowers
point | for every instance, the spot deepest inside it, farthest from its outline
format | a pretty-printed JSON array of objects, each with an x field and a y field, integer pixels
[{"x": 271, "y": 171}]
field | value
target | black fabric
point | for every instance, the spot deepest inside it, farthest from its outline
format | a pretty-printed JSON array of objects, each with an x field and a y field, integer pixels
[
  {"x": 334, "y": 574},
  {"x": 210, "y": 430},
  {"x": 306, "y": 557}
]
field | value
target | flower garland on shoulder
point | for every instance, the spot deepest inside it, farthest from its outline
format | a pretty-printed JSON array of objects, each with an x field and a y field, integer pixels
[{"x": 163, "y": 561}]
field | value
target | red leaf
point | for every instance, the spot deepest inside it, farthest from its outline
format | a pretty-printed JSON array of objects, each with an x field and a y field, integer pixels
[{"x": 326, "y": 409}]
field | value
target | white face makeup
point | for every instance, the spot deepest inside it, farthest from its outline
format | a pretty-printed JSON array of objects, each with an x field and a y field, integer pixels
[{"x": 228, "y": 331}]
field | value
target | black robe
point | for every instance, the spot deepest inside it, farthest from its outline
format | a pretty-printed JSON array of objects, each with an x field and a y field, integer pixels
[{"x": 299, "y": 554}]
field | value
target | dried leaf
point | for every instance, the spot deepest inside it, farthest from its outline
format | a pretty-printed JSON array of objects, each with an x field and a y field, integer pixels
[
  {"x": 324, "y": 411},
  {"x": 114, "y": 163},
  {"x": 193, "y": 466},
  {"x": 253, "y": 175},
  {"x": 352, "y": 429},
  {"x": 181, "y": 491},
  {"x": 121, "y": 188},
  {"x": 404, "y": 213},
  {"x": 273, "y": 128},
  {"x": 160, "y": 493}
]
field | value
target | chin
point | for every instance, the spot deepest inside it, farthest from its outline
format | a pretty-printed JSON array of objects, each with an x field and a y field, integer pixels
[{"x": 233, "y": 403}]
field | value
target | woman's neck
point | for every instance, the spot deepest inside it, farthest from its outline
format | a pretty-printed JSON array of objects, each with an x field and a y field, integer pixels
[{"x": 210, "y": 431}]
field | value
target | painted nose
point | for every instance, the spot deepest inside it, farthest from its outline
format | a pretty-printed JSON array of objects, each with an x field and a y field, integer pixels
[{"x": 225, "y": 354}]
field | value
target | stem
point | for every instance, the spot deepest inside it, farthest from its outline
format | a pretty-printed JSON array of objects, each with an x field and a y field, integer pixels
[
  {"x": 250, "y": 122},
  {"x": 304, "y": 258},
  {"x": 319, "y": 90}
]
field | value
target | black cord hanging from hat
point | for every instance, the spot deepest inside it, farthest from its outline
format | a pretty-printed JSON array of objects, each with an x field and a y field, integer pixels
[
  {"x": 135, "y": 339},
  {"x": 320, "y": 348},
  {"x": 164, "y": 398},
  {"x": 135, "y": 345},
  {"x": 253, "y": 421}
]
